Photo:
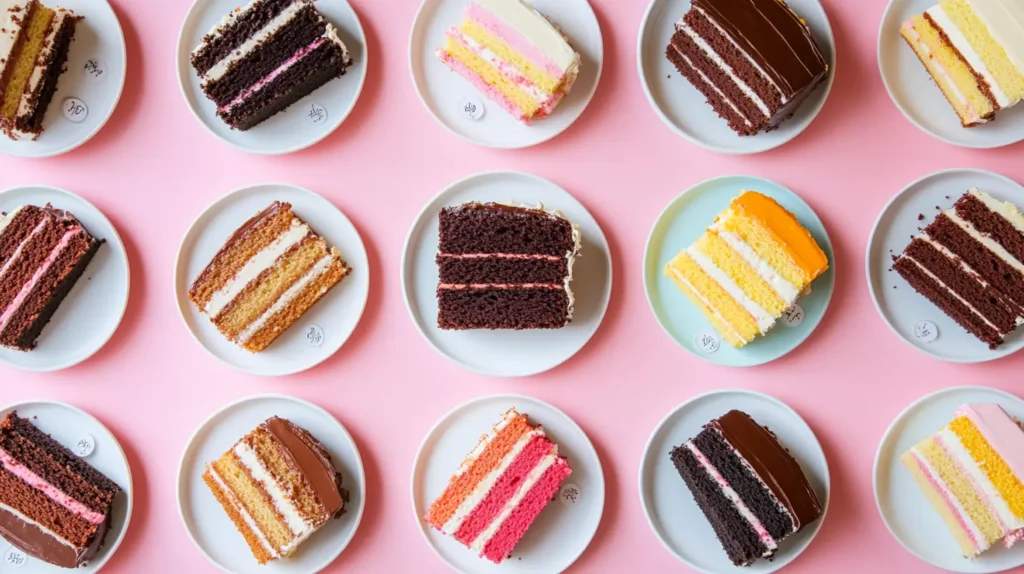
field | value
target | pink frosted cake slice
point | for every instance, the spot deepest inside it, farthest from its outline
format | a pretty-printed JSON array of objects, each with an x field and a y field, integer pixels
[
  {"x": 501, "y": 488},
  {"x": 514, "y": 56}
]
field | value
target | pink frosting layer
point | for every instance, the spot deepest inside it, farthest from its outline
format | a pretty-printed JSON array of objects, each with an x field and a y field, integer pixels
[
  {"x": 1003, "y": 529},
  {"x": 51, "y": 491},
  {"x": 1001, "y": 432},
  {"x": 484, "y": 88},
  {"x": 27, "y": 289},
  {"x": 512, "y": 37},
  {"x": 499, "y": 256},
  {"x": 934, "y": 482},
  {"x": 302, "y": 53},
  {"x": 501, "y": 286}
]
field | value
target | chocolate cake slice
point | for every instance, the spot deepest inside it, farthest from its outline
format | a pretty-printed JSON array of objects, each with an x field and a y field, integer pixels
[
  {"x": 53, "y": 505},
  {"x": 748, "y": 486},
  {"x": 43, "y": 252},
  {"x": 505, "y": 267}
]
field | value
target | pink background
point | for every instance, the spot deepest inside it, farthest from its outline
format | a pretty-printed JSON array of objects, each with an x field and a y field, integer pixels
[{"x": 154, "y": 168}]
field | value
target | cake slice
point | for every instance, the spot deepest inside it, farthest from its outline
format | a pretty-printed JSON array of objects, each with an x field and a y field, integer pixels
[
  {"x": 279, "y": 486},
  {"x": 505, "y": 267},
  {"x": 500, "y": 488},
  {"x": 34, "y": 45},
  {"x": 53, "y": 505},
  {"x": 749, "y": 267},
  {"x": 267, "y": 275},
  {"x": 748, "y": 486},
  {"x": 43, "y": 253},
  {"x": 513, "y": 55},
  {"x": 969, "y": 262},
  {"x": 971, "y": 472},
  {"x": 264, "y": 57}
]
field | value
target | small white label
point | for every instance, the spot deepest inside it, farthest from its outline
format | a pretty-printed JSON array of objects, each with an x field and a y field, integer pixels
[
  {"x": 794, "y": 316},
  {"x": 317, "y": 114},
  {"x": 15, "y": 558},
  {"x": 94, "y": 70},
  {"x": 84, "y": 446},
  {"x": 926, "y": 331},
  {"x": 472, "y": 108},
  {"x": 314, "y": 336},
  {"x": 570, "y": 494},
  {"x": 708, "y": 343},
  {"x": 75, "y": 110}
]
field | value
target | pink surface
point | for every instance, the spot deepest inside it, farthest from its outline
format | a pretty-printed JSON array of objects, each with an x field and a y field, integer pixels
[{"x": 153, "y": 169}]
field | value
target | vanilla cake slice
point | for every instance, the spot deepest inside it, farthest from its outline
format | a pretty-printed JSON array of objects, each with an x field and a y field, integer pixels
[{"x": 267, "y": 275}]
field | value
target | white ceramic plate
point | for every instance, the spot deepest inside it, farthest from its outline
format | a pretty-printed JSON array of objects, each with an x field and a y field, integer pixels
[
  {"x": 902, "y": 308},
  {"x": 92, "y": 311},
  {"x": 444, "y": 92},
  {"x": 904, "y": 509},
  {"x": 669, "y": 506},
  {"x": 324, "y": 328},
  {"x": 209, "y": 526},
  {"x": 302, "y": 124},
  {"x": 921, "y": 101},
  {"x": 89, "y": 89},
  {"x": 686, "y": 111},
  {"x": 563, "y": 530},
  {"x": 507, "y": 353},
  {"x": 71, "y": 426}
]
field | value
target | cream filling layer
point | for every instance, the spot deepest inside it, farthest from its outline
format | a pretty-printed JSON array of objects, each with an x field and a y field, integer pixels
[
  {"x": 782, "y": 287},
  {"x": 712, "y": 85},
  {"x": 41, "y": 527},
  {"x": 710, "y": 53},
  {"x": 682, "y": 279},
  {"x": 750, "y": 59},
  {"x": 531, "y": 479},
  {"x": 1005, "y": 21},
  {"x": 221, "y": 68},
  {"x": 944, "y": 75},
  {"x": 963, "y": 45},
  {"x": 949, "y": 441},
  {"x": 966, "y": 303},
  {"x": 297, "y": 523},
  {"x": 986, "y": 241},
  {"x": 243, "y": 512},
  {"x": 12, "y": 17},
  {"x": 506, "y": 69},
  {"x": 977, "y": 537},
  {"x": 318, "y": 269},
  {"x": 222, "y": 26},
  {"x": 535, "y": 28},
  {"x": 21, "y": 247},
  {"x": 763, "y": 318}
]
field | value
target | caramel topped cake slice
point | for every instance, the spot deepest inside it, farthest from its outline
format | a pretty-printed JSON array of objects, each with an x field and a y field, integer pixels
[
  {"x": 270, "y": 272},
  {"x": 278, "y": 485}
]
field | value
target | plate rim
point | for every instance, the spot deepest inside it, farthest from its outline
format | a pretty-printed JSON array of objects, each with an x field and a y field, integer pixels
[
  {"x": 418, "y": 223},
  {"x": 890, "y": 8},
  {"x": 509, "y": 397},
  {"x": 127, "y": 286},
  {"x": 129, "y": 494},
  {"x": 647, "y": 255},
  {"x": 888, "y": 435},
  {"x": 416, "y": 23},
  {"x": 831, "y": 76},
  {"x": 870, "y": 275},
  {"x": 219, "y": 411},
  {"x": 183, "y": 79},
  {"x": 195, "y": 226},
  {"x": 113, "y": 107},
  {"x": 648, "y": 445}
]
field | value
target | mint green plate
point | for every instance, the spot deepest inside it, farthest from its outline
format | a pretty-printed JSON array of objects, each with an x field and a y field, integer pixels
[{"x": 682, "y": 222}]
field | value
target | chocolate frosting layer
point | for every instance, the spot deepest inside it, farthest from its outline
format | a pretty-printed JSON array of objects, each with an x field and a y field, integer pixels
[
  {"x": 34, "y": 541},
  {"x": 774, "y": 37},
  {"x": 307, "y": 456},
  {"x": 776, "y": 467}
]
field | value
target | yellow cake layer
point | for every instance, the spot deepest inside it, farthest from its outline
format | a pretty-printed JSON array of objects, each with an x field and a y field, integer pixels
[
  {"x": 492, "y": 76},
  {"x": 766, "y": 245},
  {"x": 729, "y": 317},
  {"x": 1002, "y": 477},
  {"x": 256, "y": 502},
  {"x": 540, "y": 78},
  {"x": 960, "y": 487},
  {"x": 1009, "y": 78},
  {"x": 939, "y": 504},
  {"x": 741, "y": 273},
  {"x": 35, "y": 34},
  {"x": 949, "y": 71}
]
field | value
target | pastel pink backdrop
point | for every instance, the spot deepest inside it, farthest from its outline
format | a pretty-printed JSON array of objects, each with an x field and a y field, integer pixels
[{"x": 153, "y": 169}]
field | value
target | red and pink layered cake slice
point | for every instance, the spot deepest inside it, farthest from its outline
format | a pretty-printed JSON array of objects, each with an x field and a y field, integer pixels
[{"x": 501, "y": 488}]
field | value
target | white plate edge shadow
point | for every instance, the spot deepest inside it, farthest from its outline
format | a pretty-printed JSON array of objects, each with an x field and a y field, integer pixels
[
  {"x": 123, "y": 260},
  {"x": 195, "y": 228}
]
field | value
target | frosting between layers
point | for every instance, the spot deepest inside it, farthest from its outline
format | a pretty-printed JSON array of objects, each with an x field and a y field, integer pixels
[
  {"x": 985, "y": 240},
  {"x": 974, "y": 534},
  {"x": 1005, "y": 21},
  {"x": 243, "y": 512},
  {"x": 535, "y": 29},
  {"x": 714, "y": 57},
  {"x": 318, "y": 269},
  {"x": 284, "y": 67},
  {"x": 506, "y": 419},
  {"x": 972, "y": 116},
  {"x": 763, "y": 318},
  {"x": 26, "y": 290},
  {"x": 1005, "y": 209},
  {"x": 540, "y": 97},
  {"x": 508, "y": 286},
  {"x": 783, "y": 288},
  {"x": 483, "y": 87},
  {"x": 960, "y": 42},
  {"x": 712, "y": 85},
  {"x": 297, "y": 523},
  {"x": 531, "y": 479},
  {"x": 499, "y": 256},
  {"x": 696, "y": 293},
  {"x": 1001, "y": 432},
  {"x": 221, "y": 27},
  {"x": 52, "y": 492},
  {"x": 12, "y": 16},
  {"x": 21, "y": 247},
  {"x": 965, "y": 302},
  {"x": 221, "y": 68}
]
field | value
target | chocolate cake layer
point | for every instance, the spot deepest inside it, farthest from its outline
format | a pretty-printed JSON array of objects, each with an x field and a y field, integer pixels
[
  {"x": 33, "y": 122},
  {"x": 991, "y": 224},
  {"x": 23, "y": 222},
  {"x": 516, "y": 309},
  {"x": 992, "y": 269},
  {"x": 28, "y": 501},
  {"x": 493, "y": 228},
  {"x": 501, "y": 270},
  {"x": 240, "y": 28}
]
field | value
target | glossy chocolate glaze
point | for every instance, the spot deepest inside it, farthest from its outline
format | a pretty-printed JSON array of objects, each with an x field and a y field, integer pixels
[
  {"x": 34, "y": 541},
  {"x": 309, "y": 458}
]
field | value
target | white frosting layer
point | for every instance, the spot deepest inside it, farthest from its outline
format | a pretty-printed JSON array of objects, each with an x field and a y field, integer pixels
[
  {"x": 763, "y": 318},
  {"x": 1005, "y": 21},
  {"x": 254, "y": 267},
  {"x": 287, "y": 297},
  {"x": 297, "y": 523},
  {"x": 963, "y": 45},
  {"x": 986, "y": 241},
  {"x": 950, "y": 441},
  {"x": 965, "y": 302},
  {"x": 243, "y": 512},
  {"x": 531, "y": 479},
  {"x": 682, "y": 279},
  {"x": 943, "y": 73},
  {"x": 782, "y": 287},
  {"x": 225, "y": 23},
  {"x": 28, "y": 520},
  {"x": 12, "y": 16},
  {"x": 712, "y": 85},
  {"x": 750, "y": 59},
  {"x": 539, "y": 96},
  {"x": 980, "y": 540},
  {"x": 240, "y": 53},
  {"x": 1006, "y": 209},
  {"x": 6, "y": 220},
  {"x": 710, "y": 53},
  {"x": 533, "y": 26}
]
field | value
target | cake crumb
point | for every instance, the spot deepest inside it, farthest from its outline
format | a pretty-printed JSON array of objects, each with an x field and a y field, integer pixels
[{"x": 920, "y": 217}]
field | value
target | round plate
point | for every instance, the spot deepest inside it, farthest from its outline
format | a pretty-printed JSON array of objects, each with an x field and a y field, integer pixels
[
  {"x": 921, "y": 101},
  {"x": 507, "y": 353},
  {"x": 297, "y": 127},
  {"x": 687, "y": 112},
  {"x": 92, "y": 311},
  {"x": 682, "y": 222},
  {"x": 669, "y": 506},
  {"x": 209, "y": 526},
  {"x": 69, "y": 425},
  {"x": 904, "y": 508},
  {"x": 443, "y": 91},
  {"x": 95, "y": 76},
  {"x": 900, "y": 306},
  {"x": 562, "y": 531},
  {"x": 336, "y": 314}
]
